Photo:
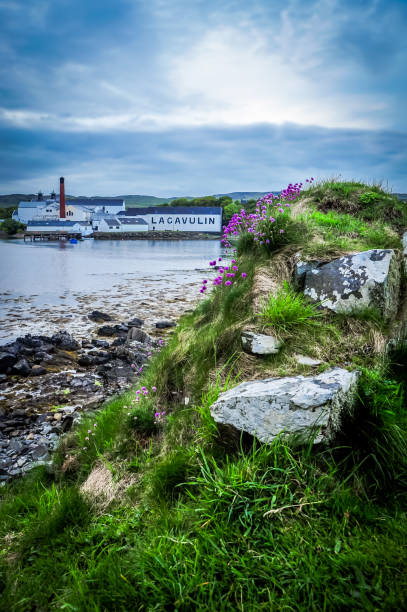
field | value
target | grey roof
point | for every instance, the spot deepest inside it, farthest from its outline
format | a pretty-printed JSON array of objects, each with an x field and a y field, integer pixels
[
  {"x": 112, "y": 222},
  {"x": 52, "y": 223},
  {"x": 173, "y": 210},
  {"x": 102, "y": 215},
  {"x": 130, "y": 221},
  {"x": 34, "y": 204}
]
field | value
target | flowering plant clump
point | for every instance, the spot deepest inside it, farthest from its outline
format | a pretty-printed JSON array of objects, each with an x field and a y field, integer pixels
[
  {"x": 267, "y": 228},
  {"x": 228, "y": 275},
  {"x": 142, "y": 415}
]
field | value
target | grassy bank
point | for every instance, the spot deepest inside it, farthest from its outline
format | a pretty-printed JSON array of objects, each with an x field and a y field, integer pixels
[{"x": 151, "y": 506}]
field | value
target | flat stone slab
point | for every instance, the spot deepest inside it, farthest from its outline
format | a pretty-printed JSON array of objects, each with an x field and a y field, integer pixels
[
  {"x": 370, "y": 279},
  {"x": 260, "y": 344},
  {"x": 299, "y": 405},
  {"x": 308, "y": 361}
]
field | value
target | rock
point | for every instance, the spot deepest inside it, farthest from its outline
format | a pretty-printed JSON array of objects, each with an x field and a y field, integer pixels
[
  {"x": 260, "y": 344},
  {"x": 57, "y": 416},
  {"x": 7, "y": 360},
  {"x": 65, "y": 341},
  {"x": 135, "y": 322},
  {"x": 30, "y": 341},
  {"x": 99, "y": 317},
  {"x": 27, "y": 351},
  {"x": 119, "y": 341},
  {"x": 22, "y": 367},
  {"x": 30, "y": 436},
  {"x": 301, "y": 269},
  {"x": 112, "y": 330},
  {"x": 86, "y": 360},
  {"x": 308, "y": 361},
  {"x": 38, "y": 370},
  {"x": 3, "y": 378},
  {"x": 292, "y": 405},
  {"x": 370, "y": 279},
  {"x": 100, "y": 343},
  {"x": 67, "y": 423},
  {"x": 139, "y": 335},
  {"x": 40, "y": 453},
  {"x": 15, "y": 446},
  {"x": 165, "y": 324}
]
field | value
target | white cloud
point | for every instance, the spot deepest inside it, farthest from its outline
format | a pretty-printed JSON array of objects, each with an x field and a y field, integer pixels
[{"x": 234, "y": 77}]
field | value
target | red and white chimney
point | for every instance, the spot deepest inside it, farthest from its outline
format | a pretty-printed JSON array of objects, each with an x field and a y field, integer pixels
[{"x": 61, "y": 198}]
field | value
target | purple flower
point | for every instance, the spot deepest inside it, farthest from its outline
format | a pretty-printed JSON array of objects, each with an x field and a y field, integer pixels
[
  {"x": 281, "y": 231},
  {"x": 154, "y": 389},
  {"x": 244, "y": 274},
  {"x": 228, "y": 283}
]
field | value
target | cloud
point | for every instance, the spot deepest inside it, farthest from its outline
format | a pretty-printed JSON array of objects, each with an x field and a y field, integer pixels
[
  {"x": 158, "y": 96},
  {"x": 197, "y": 161}
]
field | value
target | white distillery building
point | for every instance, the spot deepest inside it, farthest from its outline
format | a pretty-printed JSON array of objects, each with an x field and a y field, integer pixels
[
  {"x": 80, "y": 209},
  {"x": 178, "y": 219}
]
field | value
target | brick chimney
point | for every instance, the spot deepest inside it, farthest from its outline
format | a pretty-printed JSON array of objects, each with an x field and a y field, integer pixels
[{"x": 61, "y": 198}]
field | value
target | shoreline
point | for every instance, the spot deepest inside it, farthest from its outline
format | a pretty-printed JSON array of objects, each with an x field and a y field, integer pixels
[{"x": 155, "y": 235}]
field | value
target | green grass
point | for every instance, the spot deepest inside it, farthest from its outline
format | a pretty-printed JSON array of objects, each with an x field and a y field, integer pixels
[
  {"x": 368, "y": 202},
  {"x": 288, "y": 310},
  {"x": 336, "y": 232},
  {"x": 264, "y": 527}
]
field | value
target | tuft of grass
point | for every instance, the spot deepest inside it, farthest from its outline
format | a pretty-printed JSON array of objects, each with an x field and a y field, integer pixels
[
  {"x": 378, "y": 442},
  {"x": 287, "y": 311},
  {"x": 142, "y": 420},
  {"x": 169, "y": 474}
]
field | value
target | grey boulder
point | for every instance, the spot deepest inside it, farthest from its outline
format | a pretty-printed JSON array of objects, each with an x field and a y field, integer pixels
[
  {"x": 260, "y": 344},
  {"x": 370, "y": 279},
  {"x": 298, "y": 405}
]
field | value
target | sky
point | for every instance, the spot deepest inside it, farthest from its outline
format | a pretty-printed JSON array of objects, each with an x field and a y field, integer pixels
[{"x": 195, "y": 97}]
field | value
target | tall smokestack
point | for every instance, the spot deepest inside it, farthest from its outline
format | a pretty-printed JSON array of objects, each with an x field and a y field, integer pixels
[{"x": 61, "y": 198}]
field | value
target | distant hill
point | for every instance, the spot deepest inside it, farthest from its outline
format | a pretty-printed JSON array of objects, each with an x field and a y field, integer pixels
[
  {"x": 146, "y": 200},
  {"x": 14, "y": 198}
]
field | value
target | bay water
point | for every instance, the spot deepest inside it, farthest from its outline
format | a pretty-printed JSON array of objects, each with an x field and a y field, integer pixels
[{"x": 48, "y": 286}]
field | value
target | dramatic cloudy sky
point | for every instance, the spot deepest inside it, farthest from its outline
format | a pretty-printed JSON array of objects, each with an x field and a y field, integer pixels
[{"x": 190, "y": 97}]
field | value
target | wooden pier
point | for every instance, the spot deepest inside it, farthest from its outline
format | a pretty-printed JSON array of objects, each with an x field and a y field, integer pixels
[{"x": 55, "y": 236}]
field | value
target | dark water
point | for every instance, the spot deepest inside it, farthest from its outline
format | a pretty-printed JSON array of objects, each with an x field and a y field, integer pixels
[{"x": 48, "y": 286}]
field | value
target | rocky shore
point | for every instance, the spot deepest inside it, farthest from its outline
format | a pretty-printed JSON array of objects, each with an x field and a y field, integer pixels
[{"x": 46, "y": 382}]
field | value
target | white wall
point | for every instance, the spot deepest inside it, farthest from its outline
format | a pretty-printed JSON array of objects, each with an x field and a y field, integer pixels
[
  {"x": 76, "y": 213},
  {"x": 102, "y": 226},
  {"x": 129, "y": 227},
  {"x": 183, "y": 222},
  {"x": 27, "y": 214},
  {"x": 55, "y": 228}
]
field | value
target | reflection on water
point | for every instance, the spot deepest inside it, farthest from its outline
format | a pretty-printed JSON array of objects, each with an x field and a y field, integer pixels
[{"x": 49, "y": 285}]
